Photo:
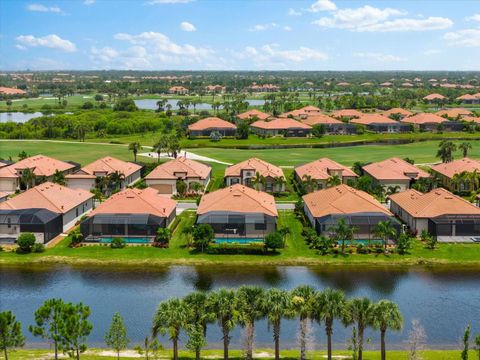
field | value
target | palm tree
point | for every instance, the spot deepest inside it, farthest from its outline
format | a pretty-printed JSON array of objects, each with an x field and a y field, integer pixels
[
  {"x": 343, "y": 232},
  {"x": 172, "y": 316},
  {"x": 199, "y": 314},
  {"x": 223, "y": 304},
  {"x": 257, "y": 180},
  {"x": 134, "y": 147},
  {"x": 250, "y": 307},
  {"x": 330, "y": 305},
  {"x": 303, "y": 304},
  {"x": 308, "y": 183},
  {"x": 359, "y": 311},
  {"x": 278, "y": 182},
  {"x": 385, "y": 231},
  {"x": 465, "y": 147},
  {"x": 28, "y": 178},
  {"x": 392, "y": 190},
  {"x": 333, "y": 180},
  {"x": 277, "y": 306},
  {"x": 59, "y": 178},
  {"x": 161, "y": 104},
  {"x": 158, "y": 147},
  {"x": 446, "y": 150},
  {"x": 386, "y": 315}
]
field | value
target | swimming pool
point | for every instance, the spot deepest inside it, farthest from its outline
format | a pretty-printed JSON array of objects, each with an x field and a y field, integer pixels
[
  {"x": 128, "y": 240},
  {"x": 243, "y": 241}
]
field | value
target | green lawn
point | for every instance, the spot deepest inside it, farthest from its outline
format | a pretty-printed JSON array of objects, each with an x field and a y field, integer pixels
[{"x": 35, "y": 104}]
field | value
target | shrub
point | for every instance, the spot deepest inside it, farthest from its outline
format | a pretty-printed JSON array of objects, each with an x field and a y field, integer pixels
[
  {"x": 38, "y": 248},
  {"x": 117, "y": 243},
  {"x": 25, "y": 243},
  {"x": 274, "y": 241},
  {"x": 203, "y": 235},
  {"x": 362, "y": 249},
  {"x": 76, "y": 238},
  {"x": 429, "y": 240},
  {"x": 163, "y": 237},
  {"x": 404, "y": 243}
]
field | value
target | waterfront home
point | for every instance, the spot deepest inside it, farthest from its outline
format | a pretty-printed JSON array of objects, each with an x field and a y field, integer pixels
[
  {"x": 380, "y": 123},
  {"x": 165, "y": 176},
  {"x": 286, "y": 127},
  {"x": 434, "y": 98},
  {"x": 85, "y": 177},
  {"x": 264, "y": 88},
  {"x": 454, "y": 113},
  {"x": 331, "y": 125},
  {"x": 11, "y": 91},
  {"x": 178, "y": 90},
  {"x": 324, "y": 208},
  {"x": 256, "y": 173},
  {"x": 425, "y": 121},
  {"x": 469, "y": 99},
  {"x": 321, "y": 170},
  {"x": 71, "y": 204},
  {"x": 401, "y": 113},
  {"x": 254, "y": 114},
  {"x": 394, "y": 172},
  {"x": 205, "y": 127},
  {"x": 133, "y": 214},
  {"x": 302, "y": 113},
  {"x": 439, "y": 212},
  {"x": 446, "y": 172},
  {"x": 215, "y": 89},
  {"x": 346, "y": 114},
  {"x": 238, "y": 211},
  {"x": 42, "y": 166}
]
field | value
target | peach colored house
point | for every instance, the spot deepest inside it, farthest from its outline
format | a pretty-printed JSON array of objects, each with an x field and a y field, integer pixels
[
  {"x": 42, "y": 166},
  {"x": 245, "y": 172},
  {"x": 322, "y": 169},
  {"x": 254, "y": 114},
  {"x": 446, "y": 171},
  {"x": 425, "y": 121},
  {"x": 238, "y": 211},
  {"x": 11, "y": 91},
  {"x": 432, "y": 98},
  {"x": 454, "y": 113},
  {"x": 205, "y": 127},
  {"x": 178, "y": 90},
  {"x": 346, "y": 114},
  {"x": 286, "y": 127},
  {"x": 397, "y": 111},
  {"x": 165, "y": 176}
]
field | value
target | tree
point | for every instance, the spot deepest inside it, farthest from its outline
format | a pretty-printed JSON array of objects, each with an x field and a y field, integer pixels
[
  {"x": 150, "y": 347},
  {"x": 359, "y": 311},
  {"x": 466, "y": 341},
  {"x": 250, "y": 308},
  {"x": 22, "y": 155},
  {"x": 116, "y": 335},
  {"x": 318, "y": 130},
  {"x": 49, "y": 321},
  {"x": 278, "y": 305},
  {"x": 243, "y": 130},
  {"x": 125, "y": 105},
  {"x": 303, "y": 303},
  {"x": 273, "y": 241},
  {"x": 25, "y": 243},
  {"x": 59, "y": 178},
  {"x": 386, "y": 315},
  {"x": 181, "y": 186},
  {"x": 403, "y": 244},
  {"x": 465, "y": 147},
  {"x": 429, "y": 240},
  {"x": 159, "y": 146},
  {"x": 257, "y": 180},
  {"x": 385, "y": 231},
  {"x": 171, "y": 316},
  {"x": 75, "y": 329},
  {"x": 223, "y": 304},
  {"x": 343, "y": 232},
  {"x": 215, "y": 136},
  {"x": 134, "y": 147},
  {"x": 392, "y": 190},
  {"x": 199, "y": 317},
  {"x": 28, "y": 178},
  {"x": 308, "y": 183},
  {"x": 329, "y": 306},
  {"x": 11, "y": 335},
  {"x": 203, "y": 235},
  {"x": 333, "y": 181},
  {"x": 163, "y": 236},
  {"x": 76, "y": 237},
  {"x": 98, "y": 97},
  {"x": 446, "y": 148}
]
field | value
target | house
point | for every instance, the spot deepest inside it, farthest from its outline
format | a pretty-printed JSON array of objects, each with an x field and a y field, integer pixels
[
  {"x": 215, "y": 89},
  {"x": 407, "y": 85},
  {"x": 425, "y": 121},
  {"x": 386, "y": 84},
  {"x": 469, "y": 99},
  {"x": 11, "y": 91},
  {"x": 131, "y": 213},
  {"x": 254, "y": 114},
  {"x": 346, "y": 114},
  {"x": 331, "y": 125},
  {"x": 238, "y": 211},
  {"x": 256, "y": 173},
  {"x": 71, "y": 204},
  {"x": 445, "y": 172},
  {"x": 380, "y": 123},
  {"x": 205, "y": 127},
  {"x": 434, "y": 98},
  {"x": 178, "y": 90},
  {"x": 394, "y": 172},
  {"x": 286, "y": 127},
  {"x": 324, "y": 208},
  {"x": 264, "y": 88},
  {"x": 85, "y": 177},
  {"x": 454, "y": 113},
  {"x": 343, "y": 84},
  {"x": 165, "y": 176},
  {"x": 401, "y": 113},
  {"x": 321, "y": 170},
  {"x": 441, "y": 213},
  {"x": 42, "y": 166}
]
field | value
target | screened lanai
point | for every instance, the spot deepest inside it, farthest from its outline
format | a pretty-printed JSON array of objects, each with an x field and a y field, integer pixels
[{"x": 454, "y": 225}]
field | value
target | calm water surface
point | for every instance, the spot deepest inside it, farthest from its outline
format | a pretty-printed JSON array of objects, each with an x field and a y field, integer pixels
[
  {"x": 444, "y": 301},
  {"x": 151, "y": 104},
  {"x": 18, "y": 117}
]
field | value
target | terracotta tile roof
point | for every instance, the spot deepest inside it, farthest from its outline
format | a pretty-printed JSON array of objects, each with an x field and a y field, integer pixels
[
  {"x": 424, "y": 118},
  {"x": 342, "y": 199},
  {"x": 321, "y": 169},
  {"x": 434, "y": 203},
  {"x": 178, "y": 88},
  {"x": 254, "y": 113},
  {"x": 467, "y": 97},
  {"x": 475, "y": 119},
  {"x": 109, "y": 165},
  {"x": 192, "y": 168},
  {"x": 310, "y": 109},
  {"x": 397, "y": 111},
  {"x": 262, "y": 167},
  {"x": 407, "y": 84},
  {"x": 344, "y": 83},
  {"x": 434, "y": 97},
  {"x": 11, "y": 91},
  {"x": 279, "y": 124},
  {"x": 367, "y": 119},
  {"x": 3, "y": 194},
  {"x": 211, "y": 123},
  {"x": 453, "y": 113},
  {"x": 394, "y": 169},
  {"x": 346, "y": 113},
  {"x": 136, "y": 201},
  {"x": 50, "y": 196},
  {"x": 366, "y": 83},
  {"x": 386, "y": 84},
  {"x": 42, "y": 166},
  {"x": 320, "y": 119},
  {"x": 457, "y": 166},
  {"x": 238, "y": 198}
]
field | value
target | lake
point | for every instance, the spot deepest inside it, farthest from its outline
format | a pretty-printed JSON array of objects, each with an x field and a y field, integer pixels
[
  {"x": 443, "y": 301},
  {"x": 18, "y": 117},
  {"x": 151, "y": 104}
]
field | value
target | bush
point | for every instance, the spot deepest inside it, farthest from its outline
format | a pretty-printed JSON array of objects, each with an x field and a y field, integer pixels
[
  {"x": 25, "y": 243},
  {"x": 76, "y": 238},
  {"x": 404, "y": 243},
  {"x": 362, "y": 249},
  {"x": 274, "y": 241},
  {"x": 117, "y": 243},
  {"x": 163, "y": 237},
  {"x": 203, "y": 235},
  {"x": 38, "y": 248}
]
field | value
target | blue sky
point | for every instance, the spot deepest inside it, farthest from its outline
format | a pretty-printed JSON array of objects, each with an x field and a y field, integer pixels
[{"x": 239, "y": 35}]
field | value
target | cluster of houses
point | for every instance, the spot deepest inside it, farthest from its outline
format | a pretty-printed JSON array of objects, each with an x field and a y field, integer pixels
[
  {"x": 243, "y": 209},
  {"x": 299, "y": 123}
]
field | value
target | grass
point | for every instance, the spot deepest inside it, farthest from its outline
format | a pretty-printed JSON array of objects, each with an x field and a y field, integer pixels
[
  {"x": 35, "y": 104},
  {"x": 235, "y": 354}
]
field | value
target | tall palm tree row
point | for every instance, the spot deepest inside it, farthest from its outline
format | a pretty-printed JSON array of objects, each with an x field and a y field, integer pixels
[{"x": 249, "y": 304}]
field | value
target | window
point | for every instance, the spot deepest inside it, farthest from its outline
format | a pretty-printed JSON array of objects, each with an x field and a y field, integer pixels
[
  {"x": 76, "y": 212},
  {"x": 260, "y": 226}
]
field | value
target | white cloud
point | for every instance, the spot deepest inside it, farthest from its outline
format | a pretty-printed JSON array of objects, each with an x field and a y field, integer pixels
[
  {"x": 43, "y": 8},
  {"x": 379, "y": 57},
  {"x": 431, "y": 52},
  {"x": 323, "y": 5},
  {"x": 51, "y": 41},
  {"x": 430, "y": 23},
  {"x": 186, "y": 26},
  {"x": 293, "y": 12},
  {"x": 88, "y": 2},
  {"x": 158, "y": 2},
  {"x": 287, "y": 28},
  {"x": 104, "y": 54},
  {"x": 464, "y": 38},
  {"x": 263, "y": 27},
  {"x": 20, "y": 47},
  {"x": 475, "y": 17}
]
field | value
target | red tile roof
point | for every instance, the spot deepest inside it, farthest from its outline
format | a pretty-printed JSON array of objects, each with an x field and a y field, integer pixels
[
  {"x": 258, "y": 165},
  {"x": 254, "y": 113},
  {"x": 449, "y": 169},
  {"x": 394, "y": 169},
  {"x": 211, "y": 123},
  {"x": 42, "y": 166},
  {"x": 434, "y": 97},
  {"x": 320, "y": 119},
  {"x": 11, "y": 91},
  {"x": 192, "y": 168},
  {"x": 346, "y": 113},
  {"x": 367, "y": 119},
  {"x": 321, "y": 169},
  {"x": 109, "y": 165},
  {"x": 397, "y": 111},
  {"x": 453, "y": 113},
  {"x": 279, "y": 124},
  {"x": 424, "y": 118}
]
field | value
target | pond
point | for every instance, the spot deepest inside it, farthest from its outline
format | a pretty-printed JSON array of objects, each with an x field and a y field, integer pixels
[
  {"x": 151, "y": 104},
  {"x": 18, "y": 117},
  {"x": 444, "y": 301}
]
